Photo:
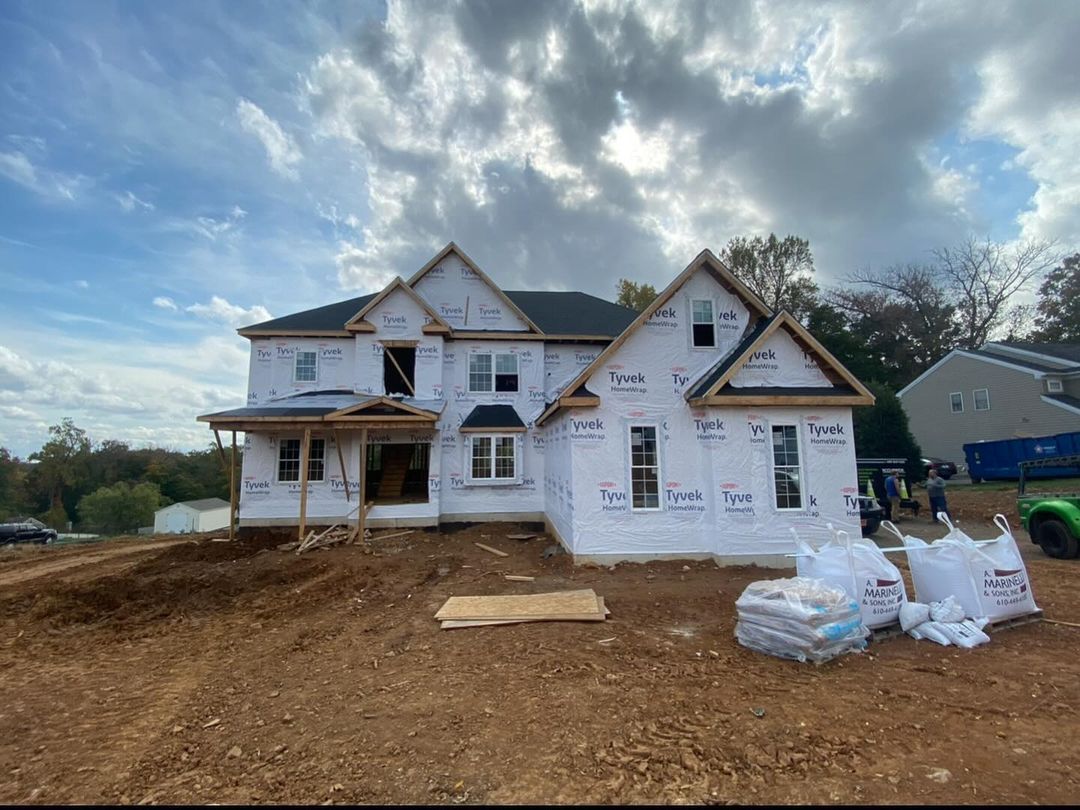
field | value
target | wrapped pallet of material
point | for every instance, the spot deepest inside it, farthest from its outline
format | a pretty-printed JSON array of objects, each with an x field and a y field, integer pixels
[
  {"x": 988, "y": 580},
  {"x": 859, "y": 568},
  {"x": 800, "y": 619}
]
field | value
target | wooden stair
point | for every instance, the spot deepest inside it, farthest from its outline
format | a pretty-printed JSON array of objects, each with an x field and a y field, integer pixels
[{"x": 395, "y": 466}]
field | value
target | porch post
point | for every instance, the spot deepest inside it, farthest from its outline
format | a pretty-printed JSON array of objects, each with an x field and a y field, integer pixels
[
  {"x": 341, "y": 461},
  {"x": 305, "y": 450},
  {"x": 363, "y": 481},
  {"x": 232, "y": 490}
]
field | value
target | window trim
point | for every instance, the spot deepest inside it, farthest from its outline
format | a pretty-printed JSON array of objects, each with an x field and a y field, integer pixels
[
  {"x": 1050, "y": 389},
  {"x": 277, "y": 466},
  {"x": 296, "y": 365},
  {"x": 519, "y": 461},
  {"x": 493, "y": 354},
  {"x": 975, "y": 401},
  {"x": 801, "y": 467},
  {"x": 630, "y": 467},
  {"x": 712, "y": 307},
  {"x": 956, "y": 394}
]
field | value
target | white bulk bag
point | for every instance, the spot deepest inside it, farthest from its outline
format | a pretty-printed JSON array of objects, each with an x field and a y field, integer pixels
[
  {"x": 861, "y": 570},
  {"x": 988, "y": 580}
]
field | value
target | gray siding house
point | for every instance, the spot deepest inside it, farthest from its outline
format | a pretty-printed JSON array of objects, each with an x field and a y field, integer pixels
[{"x": 1004, "y": 390}]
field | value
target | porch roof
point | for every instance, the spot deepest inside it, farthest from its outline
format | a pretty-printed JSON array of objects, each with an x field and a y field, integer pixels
[{"x": 337, "y": 409}]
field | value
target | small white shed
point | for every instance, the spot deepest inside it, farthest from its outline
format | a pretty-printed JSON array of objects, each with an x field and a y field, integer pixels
[{"x": 204, "y": 515}]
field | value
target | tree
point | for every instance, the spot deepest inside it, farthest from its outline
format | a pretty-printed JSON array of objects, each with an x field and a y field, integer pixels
[
  {"x": 635, "y": 296},
  {"x": 120, "y": 507},
  {"x": 1057, "y": 316},
  {"x": 834, "y": 331},
  {"x": 881, "y": 431},
  {"x": 12, "y": 486},
  {"x": 61, "y": 463},
  {"x": 984, "y": 276},
  {"x": 778, "y": 271}
]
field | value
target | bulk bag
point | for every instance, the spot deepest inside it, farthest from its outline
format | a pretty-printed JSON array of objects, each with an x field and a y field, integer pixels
[
  {"x": 988, "y": 580},
  {"x": 862, "y": 570}
]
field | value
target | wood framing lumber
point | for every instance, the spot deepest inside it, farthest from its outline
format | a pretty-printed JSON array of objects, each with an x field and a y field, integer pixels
[
  {"x": 515, "y": 578},
  {"x": 393, "y": 534},
  {"x": 305, "y": 454},
  {"x": 494, "y": 551},
  {"x": 363, "y": 484},
  {"x": 220, "y": 450},
  {"x": 404, "y": 377},
  {"x": 521, "y": 536},
  {"x": 341, "y": 462},
  {"x": 232, "y": 490},
  {"x": 453, "y": 624}
]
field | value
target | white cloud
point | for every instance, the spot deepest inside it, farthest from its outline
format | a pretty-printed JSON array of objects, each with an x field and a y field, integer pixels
[
  {"x": 82, "y": 284},
  {"x": 54, "y": 185},
  {"x": 214, "y": 227},
  {"x": 129, "y": 202},
  {"x": 281, "y": 149},
  {"x": 165, "y": 303},
  {"x": 221, "y": 311}
]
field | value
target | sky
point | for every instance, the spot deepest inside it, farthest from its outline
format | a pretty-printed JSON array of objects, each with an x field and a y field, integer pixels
[{"x": 172, "y": 171}]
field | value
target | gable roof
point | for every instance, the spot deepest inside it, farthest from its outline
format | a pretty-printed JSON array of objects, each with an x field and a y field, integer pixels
[
  {"x": 704, "y": 260},
  {"x": 1036, "y": 370},
  {"x": 202, "y": 505},
  {"x": 359, "y": 323},
  {"x": 452, "y": 248},
  {"x": 716, "y": 384},
  {"x": 492, "y": 417}
]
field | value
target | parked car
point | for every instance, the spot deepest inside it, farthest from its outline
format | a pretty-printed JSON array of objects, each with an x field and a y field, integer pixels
[
  {"x": 1051, "y": 520},
  {"x": 871, "y": 513},
  {"x": 26, "y": 530},
  {"x": 946, "y": 469}
]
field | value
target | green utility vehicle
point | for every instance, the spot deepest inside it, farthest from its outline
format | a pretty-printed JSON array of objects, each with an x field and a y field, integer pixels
[{"x": 1053, "y": 521}]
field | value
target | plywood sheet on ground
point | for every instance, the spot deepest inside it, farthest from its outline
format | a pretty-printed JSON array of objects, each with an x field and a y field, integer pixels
[
  {"x": 564, "y": 604},
  {"x": 453, "y": 624}
]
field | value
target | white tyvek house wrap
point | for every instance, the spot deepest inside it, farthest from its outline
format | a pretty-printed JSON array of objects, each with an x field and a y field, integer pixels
[
  {"x": 464, "y": 300},
  {"x": 716, "y": 482},
  {"x": 272, "y": 365},
  {"x": 558, "y": 483},
  {"x": 563, "y": 362},
  {"x": 263, "y": 496},
  {"x": 458, "y": 495},
  {"x": 399, "y": 317},
  {"x": 780, "y": 362}
]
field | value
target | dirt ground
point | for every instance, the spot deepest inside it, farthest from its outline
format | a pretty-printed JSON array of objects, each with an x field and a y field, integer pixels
[{"x": 205, "y": 672}]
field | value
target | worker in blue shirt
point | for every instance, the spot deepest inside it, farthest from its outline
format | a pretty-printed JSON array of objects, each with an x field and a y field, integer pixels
[{"x": 892, "y": 492}]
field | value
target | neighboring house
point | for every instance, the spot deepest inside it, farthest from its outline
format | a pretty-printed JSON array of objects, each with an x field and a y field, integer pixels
[
  {"x": 1004, "y": 390},
  {"x": 705, "y": 425},
  {"x": 205, "y": 515}
]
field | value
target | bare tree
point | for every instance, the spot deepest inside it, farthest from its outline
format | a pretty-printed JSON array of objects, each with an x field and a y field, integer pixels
[
  {"x": 778, "y": 271},
  {"x": 982, "y": 277}
]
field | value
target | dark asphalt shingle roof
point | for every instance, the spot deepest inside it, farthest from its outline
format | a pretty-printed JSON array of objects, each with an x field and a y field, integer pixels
[
  {"x": 835, "y": 391},
  {"x": 1065, "y": 399},
  {"x": 1012, "y": 360},
  {"x": 556, "y": 313},
  {"x": 717, "y": 371},
  {"x": 1062, "y": 351},
  {"x": 493, "y": 416}
]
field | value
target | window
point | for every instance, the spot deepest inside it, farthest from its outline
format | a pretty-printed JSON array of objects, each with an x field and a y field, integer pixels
[
  {"x": 702, "y": 323},
  {"x": 399, "y": 370},
  {"x": 956, "y": 402},
  {"x": 307, "y": 367},
  {"x": 644, "y": 467},
  {"x": 786, "y": 471},
  {"x": 1054, "y": 386},
  {"x": 289, "y": 460},
  {"x": 493, "y": 372},
  {"x": 494, "y": 458},
  {"x": 982, "y": 399}
]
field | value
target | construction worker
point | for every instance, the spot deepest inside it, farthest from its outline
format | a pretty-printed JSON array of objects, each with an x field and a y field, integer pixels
[{"x": 892, "y": 492}]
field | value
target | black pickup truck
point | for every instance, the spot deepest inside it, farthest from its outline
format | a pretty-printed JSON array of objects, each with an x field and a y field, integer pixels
[{"x": 26, "y": 530}]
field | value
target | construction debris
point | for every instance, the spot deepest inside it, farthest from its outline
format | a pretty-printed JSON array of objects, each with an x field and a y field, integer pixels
[
  {"x": 494, "y": 551},
  {"x": 328, "y": 537},
  {"x": 521, "y": 536},
  {"x": 515, "y": 578},
  {"x": 393, "y": 534},
  {"x": 564, "y": 606}
]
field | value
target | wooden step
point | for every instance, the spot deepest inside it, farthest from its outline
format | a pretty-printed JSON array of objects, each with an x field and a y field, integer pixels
[{"x": 395, "y": 463}]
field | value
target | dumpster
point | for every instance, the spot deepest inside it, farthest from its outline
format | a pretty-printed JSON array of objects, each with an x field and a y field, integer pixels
[{"x": 1000, "y": 460}]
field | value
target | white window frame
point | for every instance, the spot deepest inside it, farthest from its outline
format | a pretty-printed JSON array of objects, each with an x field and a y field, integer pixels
[
  {"x": 1054, "y": 387},
  {"x": 299, "y": 469},
  {"x": 296, "y": 365},
  {"x": 712, "y": 308},
  {"x": 494, "y": 355},
  {"x": 492, "y": 480},
  {"x": 801, "y": 467},
  {"x": 630, "y": 467},
  {"x": 975, "y": 399},
  {"x": 956, "y": 394}
]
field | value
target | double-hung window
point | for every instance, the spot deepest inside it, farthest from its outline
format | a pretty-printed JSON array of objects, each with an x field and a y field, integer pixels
[
  {"x": 956, "y": 402},
  {"x": 982, "y": 399},
  {"x": 702, "y": 323},
  {"x": 494, "y": 459},
  {"x": 787, "y": 472},
  {"x": 289, "y": 460},
  {"x": 644, "y": 467},
  {"x": 492, "y": 371},
  {"x": 306, "y": 367}
]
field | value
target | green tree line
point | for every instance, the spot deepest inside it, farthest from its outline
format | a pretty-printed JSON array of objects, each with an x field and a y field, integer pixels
[{"x": 104, "y": 486}]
